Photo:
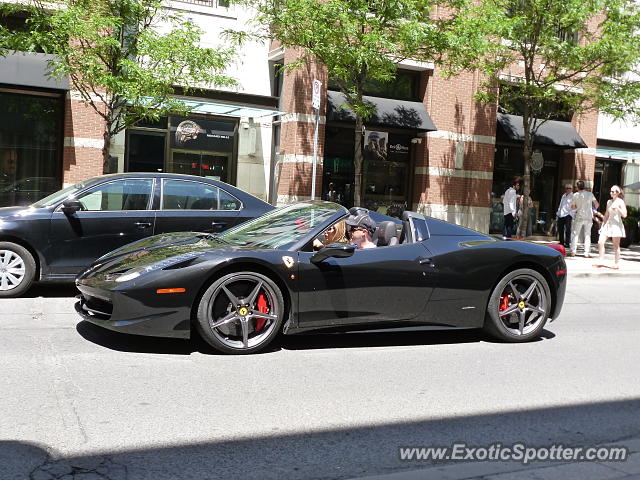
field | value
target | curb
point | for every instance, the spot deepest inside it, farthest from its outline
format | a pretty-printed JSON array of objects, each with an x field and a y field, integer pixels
[{"x": 617, "y": 274}]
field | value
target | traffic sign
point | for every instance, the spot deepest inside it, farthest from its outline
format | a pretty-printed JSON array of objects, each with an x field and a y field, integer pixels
[{"x": 315, "y": 98}]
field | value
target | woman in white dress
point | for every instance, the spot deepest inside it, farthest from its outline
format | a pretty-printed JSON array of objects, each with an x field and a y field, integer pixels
[{"x": 612, "y": 225}]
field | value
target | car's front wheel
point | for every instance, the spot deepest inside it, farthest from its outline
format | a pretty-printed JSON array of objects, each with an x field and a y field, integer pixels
[
  {"x": 519, "y": 306},
  {"x": 240, "y": 313},
  {"x": 17, "y": 269}
]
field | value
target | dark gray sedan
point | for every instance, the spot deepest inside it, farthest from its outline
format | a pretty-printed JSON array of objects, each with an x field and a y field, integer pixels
[{"x": 60, "y": 235}]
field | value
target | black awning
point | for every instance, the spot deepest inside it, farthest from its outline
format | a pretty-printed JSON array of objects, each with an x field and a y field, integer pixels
[
  {"x": 551, "y": 133},
  {"x": 389, "y": 112}
]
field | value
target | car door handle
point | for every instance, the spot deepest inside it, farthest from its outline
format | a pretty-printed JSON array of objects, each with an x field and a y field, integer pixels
[
  {"x": 143, "y": 224},
  {"x": 426, "y": 261},
  {"x": 218, "y": 224}
]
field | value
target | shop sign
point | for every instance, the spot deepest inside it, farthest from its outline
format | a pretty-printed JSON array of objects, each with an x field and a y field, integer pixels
[
  {"x": 537, "y": 161},
  {"x": 196, "y": 134}
]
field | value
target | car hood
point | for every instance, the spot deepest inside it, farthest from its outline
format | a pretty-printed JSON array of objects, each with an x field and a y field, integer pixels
[
  {"x": 161, "y": 252},
  {"x": 8, "y": 212}
]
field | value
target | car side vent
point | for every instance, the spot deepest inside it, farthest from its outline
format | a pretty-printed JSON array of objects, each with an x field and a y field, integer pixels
[{"x": 182, "y": 264}]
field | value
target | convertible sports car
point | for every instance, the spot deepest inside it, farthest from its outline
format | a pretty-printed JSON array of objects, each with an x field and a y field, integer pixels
[{"x": 243, "y": 287}]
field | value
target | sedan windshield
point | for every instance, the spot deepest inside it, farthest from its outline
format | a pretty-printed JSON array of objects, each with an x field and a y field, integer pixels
[
  {"x": 281, "y": 228},
  {"x": 61, "y": 194}
]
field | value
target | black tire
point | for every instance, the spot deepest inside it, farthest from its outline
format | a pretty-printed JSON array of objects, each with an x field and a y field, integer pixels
[
  {"x": 520, "y": 315},
  {"x": 238, "y": 331},
  {"x": 17, "y": 269}
]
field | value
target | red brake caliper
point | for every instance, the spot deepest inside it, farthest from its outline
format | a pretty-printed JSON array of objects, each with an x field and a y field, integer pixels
[
  {"x": 263, "y": 307},
  {"x": 504, "y": 302}
]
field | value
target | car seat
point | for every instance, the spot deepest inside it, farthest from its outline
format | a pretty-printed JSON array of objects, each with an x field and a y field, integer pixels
[{"x": 387, "y": 234}]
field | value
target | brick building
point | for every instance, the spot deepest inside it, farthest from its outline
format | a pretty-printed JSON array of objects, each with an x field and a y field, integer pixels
[
  {"x": 49, "y": 138},
  {"x": 437, "y": 150},
  {"x": 455, "y": 167}
]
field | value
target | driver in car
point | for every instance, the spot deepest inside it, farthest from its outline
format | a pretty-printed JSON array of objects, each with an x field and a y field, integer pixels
[{"x": 361, "y": 228}]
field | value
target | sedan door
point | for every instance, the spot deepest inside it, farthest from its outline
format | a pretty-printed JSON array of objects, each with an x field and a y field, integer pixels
[
  {"x": 189, "y": 205},
  {"x": 383, "y": 286},
  {"x": 113, "y": 214}
]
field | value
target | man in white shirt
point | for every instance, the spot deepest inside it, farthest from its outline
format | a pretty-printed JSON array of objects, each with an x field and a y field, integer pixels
[
  {"x": 565, "y": 216},
  {"x": 510, "y": 204},
  {"x": 583, "y": 202}
]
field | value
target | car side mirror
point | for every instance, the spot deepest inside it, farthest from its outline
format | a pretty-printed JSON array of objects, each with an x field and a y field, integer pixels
[
  {"x": 333, "y": 250},
  {"x": 71, "y": 206}
]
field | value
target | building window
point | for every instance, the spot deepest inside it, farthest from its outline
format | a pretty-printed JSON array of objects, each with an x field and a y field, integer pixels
[
  {"x": 30, "y": 145},
  {"x": 405, "y": 86},
  {"x": 512, "y": 96}
]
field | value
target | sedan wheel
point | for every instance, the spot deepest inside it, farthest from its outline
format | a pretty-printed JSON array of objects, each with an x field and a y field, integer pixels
[
  {"x": 241, "y": 313},
  {"x": 519, "y": 306},
  {"x": 17, "y": 269}
]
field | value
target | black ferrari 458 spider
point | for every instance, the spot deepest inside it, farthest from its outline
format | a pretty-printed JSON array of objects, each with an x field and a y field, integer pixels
[{"x": 243, "y": 287}]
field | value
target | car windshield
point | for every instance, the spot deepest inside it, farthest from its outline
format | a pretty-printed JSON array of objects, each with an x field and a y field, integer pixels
[
  {"x": 61, "y": 194},
  {"x": 280, "y": 228}
]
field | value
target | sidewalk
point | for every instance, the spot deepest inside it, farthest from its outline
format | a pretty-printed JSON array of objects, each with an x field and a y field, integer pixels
[{"x": 581, "y": 267}]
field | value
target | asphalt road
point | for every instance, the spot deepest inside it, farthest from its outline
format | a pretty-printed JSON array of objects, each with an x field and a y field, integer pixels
[{"x": 86, "y": 403}]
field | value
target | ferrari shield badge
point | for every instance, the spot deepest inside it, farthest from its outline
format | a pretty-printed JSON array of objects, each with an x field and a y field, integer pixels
[{"x": 288, "y": 261}]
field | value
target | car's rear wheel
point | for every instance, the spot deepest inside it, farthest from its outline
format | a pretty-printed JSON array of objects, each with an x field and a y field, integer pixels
[
  {"x": 519, "y": 306},
  {"x": 240, "y": 313},
  {"x": 17, "y": 269}
]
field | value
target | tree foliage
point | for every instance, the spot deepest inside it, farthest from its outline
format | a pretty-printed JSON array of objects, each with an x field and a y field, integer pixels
[
  {"x": 124, "y": 57},
  {"x": 364, "y": 40},
  {"x": 573, "y": 54}
]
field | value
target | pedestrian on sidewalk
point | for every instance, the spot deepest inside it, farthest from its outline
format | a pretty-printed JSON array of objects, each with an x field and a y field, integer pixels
[
  {"x": 565, "y": 217},
  {"x": 510, "y": 204},
  {"x": 612, "y": 226},
  {"x": 582, "y": 202}
]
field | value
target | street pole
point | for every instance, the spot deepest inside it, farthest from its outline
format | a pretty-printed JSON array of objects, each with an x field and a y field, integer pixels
[
  {"x": 315, "y": 103},
  {"x": 315, "y": 156}
]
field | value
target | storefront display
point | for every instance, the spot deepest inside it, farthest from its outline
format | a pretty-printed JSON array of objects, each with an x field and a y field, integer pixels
[
  {"x": 545, "y": 172},
  {"x": 387, "y": 158},
  {"x": 195, "y": 145},
  {"x": 30, "y": 145}
]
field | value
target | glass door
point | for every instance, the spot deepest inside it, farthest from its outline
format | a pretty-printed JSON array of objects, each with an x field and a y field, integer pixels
[{"x": 216, "y": 165}]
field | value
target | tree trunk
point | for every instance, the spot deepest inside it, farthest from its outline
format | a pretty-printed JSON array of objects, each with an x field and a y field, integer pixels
[
  {"x": 107, "y": 166},
  {"x": 357, "y": 163},
  {"x": 526, "y": 188}
]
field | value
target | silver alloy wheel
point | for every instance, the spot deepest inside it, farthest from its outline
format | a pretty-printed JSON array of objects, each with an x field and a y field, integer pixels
[
  {"x": 12, "y": 270},
  {"x": 523, "y": 304},
  {"x": 233, "y": 311}
]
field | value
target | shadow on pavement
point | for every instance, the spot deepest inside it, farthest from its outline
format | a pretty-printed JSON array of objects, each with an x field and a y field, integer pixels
[
  {"x": 337, "y": 453},
  {"x": 51, "y": 289},
  {"x": 123, "y": 342}
]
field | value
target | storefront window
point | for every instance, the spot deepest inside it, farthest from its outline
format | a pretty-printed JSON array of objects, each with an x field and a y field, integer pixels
[
  {"x": 30, "y": 138},
  {"x": 145, "y": 151},
  {"x": 201, "y": 147},
  {"x": 607, "y": 173},
  {"x": 509, "y": 163},
  {"x": 196, "y": 146},
  {"x": 385, "y": 169}
]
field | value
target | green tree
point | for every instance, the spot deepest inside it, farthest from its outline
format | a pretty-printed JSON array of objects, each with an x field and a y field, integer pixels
[
  {"x": 359, "y": 41},
  {"x": 125, "y": 57},
  {"x": 570, "y": 55}
]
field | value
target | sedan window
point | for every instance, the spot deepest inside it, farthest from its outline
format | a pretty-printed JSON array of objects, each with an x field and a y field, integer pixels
[
  {"x": 130, "y": 194},
  {"x": 185, "y": 195}
]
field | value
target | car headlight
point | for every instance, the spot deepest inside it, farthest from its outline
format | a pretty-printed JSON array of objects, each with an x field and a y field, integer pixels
[{"x": 128, "y": 276}]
